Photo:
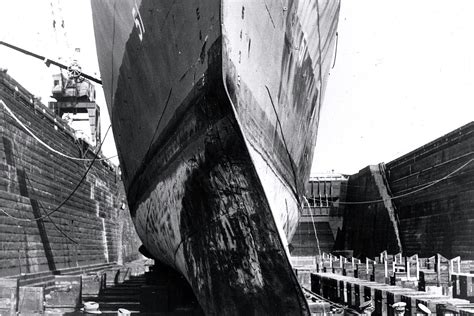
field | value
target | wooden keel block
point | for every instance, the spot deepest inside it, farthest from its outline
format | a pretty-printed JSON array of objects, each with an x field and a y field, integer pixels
[
  {"x": 362, "y": 272},
  {"x": 343, "y": 291},
  {"x": 111, "y": 276},
  {"x": 410, "y": 300},
  {"x": 8, "y": 296},
  {"x": 350, "y": 293},
  {"x": 394, "y": 295},
  {"x": 304, "y": 277},
  {"x": 463, "y": 286},
  {"x": 66, "y": 293},
  {"x": 316, "y": 283},
  {"x": 431, "y": 302},
  {"x": 122, "y": 274},
  {"x": 466, "y": 310},
  {"x": 380, "y": 299},
  {"x": 380, "y": 272},
  {"x": 30, "y": 300},
  {"x": 359, "y": 292},
  {"x": 92, "y": 284}
]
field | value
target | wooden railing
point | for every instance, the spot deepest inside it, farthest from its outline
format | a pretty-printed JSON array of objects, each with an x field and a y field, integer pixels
[{"x": 321, "y": 211}]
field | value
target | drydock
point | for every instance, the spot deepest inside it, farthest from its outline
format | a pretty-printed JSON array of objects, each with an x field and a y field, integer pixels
[
  {"x": 400, "y": 237},
  {"x": 60, "y": 251},
  {"x": 85, "y": 253},
  {"x": 391, "y": 284},
  {"x": 215, "y": 130}
]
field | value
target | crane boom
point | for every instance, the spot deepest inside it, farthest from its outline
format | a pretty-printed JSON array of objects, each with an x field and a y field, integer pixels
[{"x": 47, "y": 61}]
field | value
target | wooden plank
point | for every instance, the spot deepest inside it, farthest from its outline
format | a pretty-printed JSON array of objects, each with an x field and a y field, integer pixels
[
  {"x": 66, "y": 292},
  {"x": 394, "y": 295},
  {"x": 380, "y": 299},
  {"x": 92, "y": 284},
  {"x": 8, "y": 296},
  {"x": 463, "y": 286},
  {"x": 31, "y": 300}
]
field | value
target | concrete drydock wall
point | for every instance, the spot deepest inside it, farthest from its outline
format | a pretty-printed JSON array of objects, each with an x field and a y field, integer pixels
[
  {"x": 321, "y": 215},
  {"x": 440, "y": 216},
  {"x": 88, "y": 228},
  {"x": 368, "y": 229},
  {"x": 433, "y": 190}
]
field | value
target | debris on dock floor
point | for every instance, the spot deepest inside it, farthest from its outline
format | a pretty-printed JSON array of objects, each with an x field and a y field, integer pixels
[{"x": 137, "y": 287}]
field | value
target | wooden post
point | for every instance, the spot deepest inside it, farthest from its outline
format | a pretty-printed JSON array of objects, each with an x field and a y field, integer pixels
[
  {"x": 413, "y": 261},
  {"x": 369, "y": 268},
  {"x": 407, "y": 267},
  {"x": 398, "y": 258},
  {"x": 417, "y": 267},
  {"x": 431, "y": 262},
  {"x": 354, "y": 262},
  {"x": 438, "y": 270},
  {"x": 455, "y": 265},
  {"x": 342, "y": 260}
]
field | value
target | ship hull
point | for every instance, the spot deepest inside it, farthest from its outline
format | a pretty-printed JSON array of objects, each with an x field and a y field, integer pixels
[{"x": 213, "y": 183}]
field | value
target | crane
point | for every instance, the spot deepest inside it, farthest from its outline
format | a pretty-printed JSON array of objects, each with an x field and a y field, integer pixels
[{"x": 72, "y": 69}]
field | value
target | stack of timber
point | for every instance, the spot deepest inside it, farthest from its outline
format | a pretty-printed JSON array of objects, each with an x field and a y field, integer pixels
[
  {"x": 91, "y": 224},
  {"x": 37, "y": 293},
  {"x": 136, "y": 287},
  {"x": 444, "y": 286}
]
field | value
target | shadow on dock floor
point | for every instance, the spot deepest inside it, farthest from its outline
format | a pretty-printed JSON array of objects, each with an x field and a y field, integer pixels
[{"x": 161, "y": 291}]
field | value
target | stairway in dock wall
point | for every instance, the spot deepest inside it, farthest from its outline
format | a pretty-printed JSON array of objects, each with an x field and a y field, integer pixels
[
  {"x": 378, "y": 172},
  {"x": 304, "y": 242},
  {"x": 368, "y": 228}
]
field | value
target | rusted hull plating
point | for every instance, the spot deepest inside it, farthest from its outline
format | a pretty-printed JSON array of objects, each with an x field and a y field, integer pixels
[{"x": 214, "y": 108}]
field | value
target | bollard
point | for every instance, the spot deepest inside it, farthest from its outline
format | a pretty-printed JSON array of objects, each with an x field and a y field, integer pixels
[
  {"x": 91, "y": 308},
  {"x": 399, "y": 308},
  {"x": 123, "y": 312},
  {"x": 367, "y": 308},
  {"x": 424, "y": 309}
]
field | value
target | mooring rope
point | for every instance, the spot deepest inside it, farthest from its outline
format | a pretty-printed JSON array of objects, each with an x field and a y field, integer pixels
[
  {"x": 411, "y": 192},
  {"x": 10, "y": 112},
  {"x": 57, "y": 208}
]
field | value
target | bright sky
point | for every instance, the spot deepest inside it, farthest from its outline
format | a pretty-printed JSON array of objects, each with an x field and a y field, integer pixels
[
  {"x": 403, "y": 73},
  {"x": 403, "y": 77},
  {"x": 29, "y": 24}
]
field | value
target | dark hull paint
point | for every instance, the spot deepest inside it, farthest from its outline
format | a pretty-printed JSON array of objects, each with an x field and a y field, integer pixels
[{"x": 192, "y": 162}]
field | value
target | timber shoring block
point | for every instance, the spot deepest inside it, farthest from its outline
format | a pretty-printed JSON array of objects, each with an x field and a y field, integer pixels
[
  {"x": 31, "y": 300},
  {"x": 92, "y": 284},
  {"x": 463, "y": 286},
  {"x": 66, "y": 292},
  {"x": 8, "y": 296}
]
